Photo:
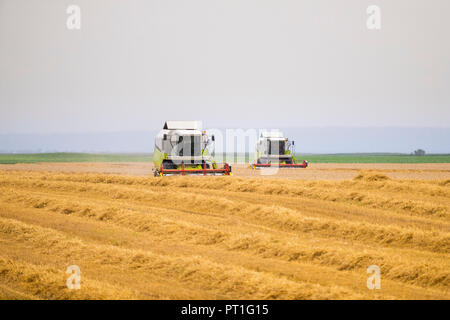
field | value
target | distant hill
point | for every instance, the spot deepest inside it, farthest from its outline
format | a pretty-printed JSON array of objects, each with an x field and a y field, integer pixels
[{"x": 308, "y": 140}]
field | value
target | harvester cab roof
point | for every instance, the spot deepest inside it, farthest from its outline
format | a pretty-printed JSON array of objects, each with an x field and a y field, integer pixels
[{"x": 183, "y": 125}]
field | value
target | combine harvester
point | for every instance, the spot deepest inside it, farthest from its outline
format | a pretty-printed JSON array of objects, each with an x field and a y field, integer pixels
[
  {"x": 181, "y": 148},
  {"x": 273, "y": 150}
]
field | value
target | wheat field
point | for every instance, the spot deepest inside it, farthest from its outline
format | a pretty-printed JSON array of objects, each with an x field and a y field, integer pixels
[{"x": 141, "y": 237}]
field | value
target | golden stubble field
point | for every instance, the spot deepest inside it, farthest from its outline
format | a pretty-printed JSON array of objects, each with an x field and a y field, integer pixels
[{"x": 295, "y": 235}]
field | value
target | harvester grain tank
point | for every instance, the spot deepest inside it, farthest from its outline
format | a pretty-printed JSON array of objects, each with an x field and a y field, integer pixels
[
  {"x": 272, "y": 149},
  {"x": 183, "y": 148}
]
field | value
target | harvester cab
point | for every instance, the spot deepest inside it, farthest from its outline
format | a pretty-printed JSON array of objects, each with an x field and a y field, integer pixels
[
  {"x": 272, "y": 149},
  {"x": 183, "y": 148}
]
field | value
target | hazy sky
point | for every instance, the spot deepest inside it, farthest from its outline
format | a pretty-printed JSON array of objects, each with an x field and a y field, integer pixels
[{"x": 231, "y": 63}]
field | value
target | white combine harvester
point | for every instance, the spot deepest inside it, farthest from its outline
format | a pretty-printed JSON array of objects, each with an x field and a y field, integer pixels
[
  {"x": 272, "y": 149},
  {"x": 182, "y": 148}
]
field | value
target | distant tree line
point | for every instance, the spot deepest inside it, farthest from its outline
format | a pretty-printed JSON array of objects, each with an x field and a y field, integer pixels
[{"x": 418, "y": 152}]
